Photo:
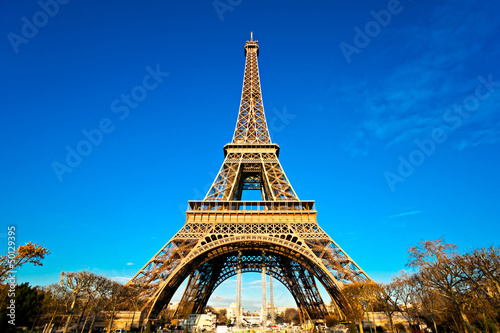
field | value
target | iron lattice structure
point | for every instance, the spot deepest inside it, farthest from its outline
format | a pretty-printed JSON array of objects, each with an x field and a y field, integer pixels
[{"x": 224, "y": 234}]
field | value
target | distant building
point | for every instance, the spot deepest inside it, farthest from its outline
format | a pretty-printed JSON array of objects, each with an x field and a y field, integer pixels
[
  {"x": 249, "y": 320},
  {"x": 257, "y": 313},
  {"x": 231, "y": 311},
  {"x": 201, "y": 321},
  {"x": 249, "y": 317}
]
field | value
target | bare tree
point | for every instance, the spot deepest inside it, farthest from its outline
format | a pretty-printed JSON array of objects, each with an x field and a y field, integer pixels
[
  {"x": 485, "y": 264},
  {"x": 55, "y": 308},
  {"x": 75, "y": 283},
  {"x": 114, "y": 292},
  {"x": 131, "y": 296},
  {"x": 408, "y": 301},
  {"x": 100, "y": 289},
  {"x": 439, "y": 270},
  {"x": 389, "y": 298},
  {"x": 424, "y": 298},
  {"x": 482, "y": 269}
]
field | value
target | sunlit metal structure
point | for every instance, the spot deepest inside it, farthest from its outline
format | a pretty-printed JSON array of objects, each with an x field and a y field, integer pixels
[{"x": 223, "y": 234}]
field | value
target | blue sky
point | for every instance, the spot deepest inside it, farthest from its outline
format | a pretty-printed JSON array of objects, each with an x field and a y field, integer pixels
[{"x": 386, "y": 112}]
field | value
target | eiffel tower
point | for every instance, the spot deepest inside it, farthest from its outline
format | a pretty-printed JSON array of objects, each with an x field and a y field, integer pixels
[{"x": 224, "y": 235}]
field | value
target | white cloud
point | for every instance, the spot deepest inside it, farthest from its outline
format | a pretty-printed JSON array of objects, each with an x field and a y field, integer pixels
[
  {"x": 121, "y": 279},
  {"x": 408, "y": 213}
]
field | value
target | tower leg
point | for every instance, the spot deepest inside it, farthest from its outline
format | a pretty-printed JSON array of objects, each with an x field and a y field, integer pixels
[
  {"x": 238, "y": 293},
  {"x": 271, "y": 300},
  {"x": 264, "y": 297}
]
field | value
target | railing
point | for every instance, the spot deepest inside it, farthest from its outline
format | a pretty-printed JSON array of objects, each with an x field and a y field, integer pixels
[{"x": 251, "y": 206}]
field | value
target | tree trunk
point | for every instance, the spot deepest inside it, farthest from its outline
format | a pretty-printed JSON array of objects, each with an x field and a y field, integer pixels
[
  {"x": 132, "y": 322},
  {"x": 465, "y": 320},
  {"x": 34, "y": 323},
  {"x": 133, "y": 315},
  {"x": 70, "y": 316},
  {"x": 456, "y": 325},
  {"x": 112, "y": 316},
  {"x": 92, "y": 322},
  {"x": 48, "y": 328},
  {"x": 81, "y": 316},
  {"x": 96, "y": 312},
  {"x": 392, "y": 324},
  {"x": 435, "y": 326},
  {"x": 53, "y": 315},
  {"x": 497, "y": 286},
  {"x": 85, "y": 323},
  {"x": 360, "y": 323}
]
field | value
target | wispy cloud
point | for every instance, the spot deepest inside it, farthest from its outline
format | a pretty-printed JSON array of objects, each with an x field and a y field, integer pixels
[
  {"x": 481, "y": 135},
  {"x": 130, "y": 264},
  {"x": 443, "y": 57},
  {"x": 400, "y": 220},
  {"x": 121, "y": 279},
  {"x": 408, "y": 213},
  {"x": 255, "y": 282}
]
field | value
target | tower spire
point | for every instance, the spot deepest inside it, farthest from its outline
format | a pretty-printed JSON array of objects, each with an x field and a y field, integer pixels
[{"x": 251, "y": 127}]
